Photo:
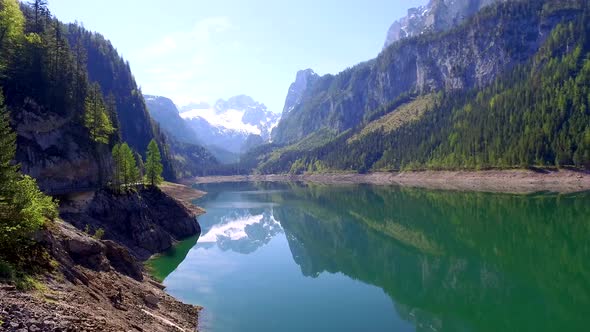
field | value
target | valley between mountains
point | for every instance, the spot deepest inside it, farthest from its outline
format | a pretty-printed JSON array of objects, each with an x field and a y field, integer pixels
[{"x": 426, "y": 182}]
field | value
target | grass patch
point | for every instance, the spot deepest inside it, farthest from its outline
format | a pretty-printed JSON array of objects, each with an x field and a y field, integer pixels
[
  {"x": 21, "y": 280},
  {"x": 401, "y": 116}
]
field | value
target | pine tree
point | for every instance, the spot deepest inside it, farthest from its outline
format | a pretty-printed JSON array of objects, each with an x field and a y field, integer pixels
[
  {"x": 140, "y": 167},
  {"x": 125, "y": 166},
  {"x": 153, "y": 165},
  {"x": 40, "y": 10},
  {"x": 118, "y": 167},
  {"x": 96, "y": 118}
]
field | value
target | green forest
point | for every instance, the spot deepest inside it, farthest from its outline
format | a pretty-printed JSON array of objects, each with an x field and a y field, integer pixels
[
  {"x": 75, "y": 81},
  {"x": 535, "y": 115}
]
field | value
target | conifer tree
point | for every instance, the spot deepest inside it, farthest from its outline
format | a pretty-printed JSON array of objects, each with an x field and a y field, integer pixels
[
  {"x": 118, "y": 165},
  {"x": 96, "y": 118},
  {"x": 153, "y": 165},
  {"x": 125, "y": 166}
]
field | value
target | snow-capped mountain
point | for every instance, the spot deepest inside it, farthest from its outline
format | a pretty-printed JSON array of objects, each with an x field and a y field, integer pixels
[
  {"x": 437, "y": 15},
  {"x": 236, "y": 125}
]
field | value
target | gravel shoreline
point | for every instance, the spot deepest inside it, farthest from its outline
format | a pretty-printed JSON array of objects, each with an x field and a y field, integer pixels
[{"x": 501, "y": 181}]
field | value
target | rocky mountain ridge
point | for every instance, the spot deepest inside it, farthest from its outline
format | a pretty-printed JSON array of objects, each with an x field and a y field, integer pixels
[
  {"x": 303, "y": 80},
  {"x": 436, "y": 16},
  {"x": 471, "y": 55}
]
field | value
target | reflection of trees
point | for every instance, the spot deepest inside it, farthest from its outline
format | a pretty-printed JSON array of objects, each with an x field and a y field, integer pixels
[
  {"x": 453, "y": 261},
  {"x": 165, "y": 263}
]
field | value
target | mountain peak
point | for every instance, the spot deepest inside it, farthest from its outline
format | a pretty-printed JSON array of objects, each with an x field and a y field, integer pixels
[
  {"x": 230, "y": 122},
  {"x": 240, "y": 102},
  {"x": 303, "y": 80},
  {"x": 436, "y": 16}
]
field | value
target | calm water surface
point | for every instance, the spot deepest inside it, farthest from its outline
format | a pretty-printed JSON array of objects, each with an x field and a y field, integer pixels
[{"x": 295, "y": 257}]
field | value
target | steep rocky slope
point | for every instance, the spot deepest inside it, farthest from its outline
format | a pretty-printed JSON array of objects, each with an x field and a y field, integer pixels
[
  {"x": 166, "y": 114},
  {"x": 436, "y": 16},
  {"x": 56, "y": 150},
  {"x": 94, "y": 286},
  {"x": 303, "y": 81},
  {"x": 190, "y": 158},
  {"x": 98, "y": 283}
]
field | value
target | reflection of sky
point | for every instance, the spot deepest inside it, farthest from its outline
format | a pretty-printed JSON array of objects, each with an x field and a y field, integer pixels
[
  {"x": 235, "y": 229},
  {"x": 243, "y": 272},
  {"x": 265, "y": 291},
  {"x": 240, "y": 205}
]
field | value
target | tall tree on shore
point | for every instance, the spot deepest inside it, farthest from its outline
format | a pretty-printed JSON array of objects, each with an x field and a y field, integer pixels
[
  {"x": 131, "y": 170},
  {"x": 118, "y": 165},
  {"x": 125, "y": 166},
  {"x": 153, "y": 164}
]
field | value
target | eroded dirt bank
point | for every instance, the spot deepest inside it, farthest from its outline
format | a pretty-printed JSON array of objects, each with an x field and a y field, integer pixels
[{"x": 507, "y": 181}]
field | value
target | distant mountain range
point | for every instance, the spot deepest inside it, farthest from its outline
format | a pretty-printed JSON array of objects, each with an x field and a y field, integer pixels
[{"x": 228, "y": 128}]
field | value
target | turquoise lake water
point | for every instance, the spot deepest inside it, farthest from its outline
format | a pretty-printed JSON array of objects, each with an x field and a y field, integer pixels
[{"x": 295, "y": 257}]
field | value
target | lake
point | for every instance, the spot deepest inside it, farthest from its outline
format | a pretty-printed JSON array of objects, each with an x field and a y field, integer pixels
[{"x": 305, "y": 257}]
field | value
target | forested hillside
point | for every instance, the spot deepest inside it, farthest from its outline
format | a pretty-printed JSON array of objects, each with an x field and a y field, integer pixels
[
  {"x": 517, "y": 94},
  {"x": 113, "y": 74},
  {"x": 70, "y": 97}
]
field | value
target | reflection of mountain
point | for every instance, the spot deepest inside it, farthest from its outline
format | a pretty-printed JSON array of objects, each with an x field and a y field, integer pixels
[
  {"x": 242, "y": 232},
  {"x": 451, "y": 261}
]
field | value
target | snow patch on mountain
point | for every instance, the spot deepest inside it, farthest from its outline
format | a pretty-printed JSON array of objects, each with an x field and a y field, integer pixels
[
  {"x": 236, "y": 125},
  {"x": 228, "y": 120}
]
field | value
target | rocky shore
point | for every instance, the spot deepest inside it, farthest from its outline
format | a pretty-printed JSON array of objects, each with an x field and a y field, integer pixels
[
  {"x": 147, "y": 222},
  {"x": 99, "y": 283},
  {"x": 506, "y": 181}
]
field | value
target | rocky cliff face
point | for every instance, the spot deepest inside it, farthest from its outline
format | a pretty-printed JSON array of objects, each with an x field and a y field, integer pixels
[
  {"x": 147, "y": 222},
  {"x": 469, "y": 56},
  {"x": 437, "y": 16},
  {"x": 57, "y": 151},
  {"x": 303, "y": 80},
  {"x": 166, "y": 114}
]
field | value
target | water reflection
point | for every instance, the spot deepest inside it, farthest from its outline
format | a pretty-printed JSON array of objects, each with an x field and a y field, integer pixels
[
  {"x": 452, "y": 261},
  {"x": 242, "y": 232},
  {"x": 449, "y": 261}
]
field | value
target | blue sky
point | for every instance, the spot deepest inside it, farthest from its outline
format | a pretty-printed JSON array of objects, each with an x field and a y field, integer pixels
[{"x": 195, "y": 50}]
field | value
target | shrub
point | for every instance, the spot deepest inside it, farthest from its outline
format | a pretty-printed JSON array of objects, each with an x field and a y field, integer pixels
[{"x": 98, "y": 234}]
